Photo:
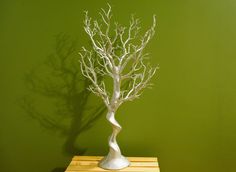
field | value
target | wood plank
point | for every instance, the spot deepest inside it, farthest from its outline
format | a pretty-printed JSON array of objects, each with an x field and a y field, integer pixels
[
  {"x": 139, "y": 164},
  {"x": 90, "y": 164},
  {"x": 128, "y": 169},
  {"x": 125, "y": 170},
  {"x": 122, "y": 170},
  {"x": 97, "y": 158},
  {"x": 85, "y": 158}
]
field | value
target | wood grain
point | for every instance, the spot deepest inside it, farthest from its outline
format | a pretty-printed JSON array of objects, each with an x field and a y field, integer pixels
[{"x": 90, "y": 164}]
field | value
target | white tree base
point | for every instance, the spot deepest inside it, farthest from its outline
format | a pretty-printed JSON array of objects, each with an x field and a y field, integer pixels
[{"x": 114, "y": 163}]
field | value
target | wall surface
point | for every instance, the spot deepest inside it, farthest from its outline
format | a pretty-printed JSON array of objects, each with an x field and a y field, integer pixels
[{"x": 188, "y": 119}]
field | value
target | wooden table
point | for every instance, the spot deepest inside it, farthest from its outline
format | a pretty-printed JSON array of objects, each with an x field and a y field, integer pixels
[{"x": 90, "y": 164}]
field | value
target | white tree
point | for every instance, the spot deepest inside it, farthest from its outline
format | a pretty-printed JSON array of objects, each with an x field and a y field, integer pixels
[{"x": 117, "y": 52}]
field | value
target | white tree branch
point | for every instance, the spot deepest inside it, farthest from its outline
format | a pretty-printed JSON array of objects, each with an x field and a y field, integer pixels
[{"x": 111, "y": 56}]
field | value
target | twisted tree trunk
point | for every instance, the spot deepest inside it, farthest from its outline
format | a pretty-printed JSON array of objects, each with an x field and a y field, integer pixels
[{"x": 114, "y": 159}]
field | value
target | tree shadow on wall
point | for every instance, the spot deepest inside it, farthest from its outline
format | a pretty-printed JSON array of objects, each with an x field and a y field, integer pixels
[{"x": 58, "y": 97}]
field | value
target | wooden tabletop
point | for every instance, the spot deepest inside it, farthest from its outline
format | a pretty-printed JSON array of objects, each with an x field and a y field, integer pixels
[{"x": 90, "y": 164}]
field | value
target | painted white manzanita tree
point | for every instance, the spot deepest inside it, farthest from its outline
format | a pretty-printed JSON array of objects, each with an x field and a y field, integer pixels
[{"x": 117, "y": 52}]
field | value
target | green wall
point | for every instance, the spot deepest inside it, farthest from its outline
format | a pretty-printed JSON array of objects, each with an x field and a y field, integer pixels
[{"x": 188, "y": 120}]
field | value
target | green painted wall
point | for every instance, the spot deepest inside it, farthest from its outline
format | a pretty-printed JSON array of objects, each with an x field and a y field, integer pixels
[{"x": 188, "y": 119}]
